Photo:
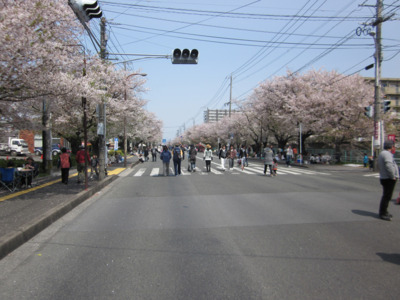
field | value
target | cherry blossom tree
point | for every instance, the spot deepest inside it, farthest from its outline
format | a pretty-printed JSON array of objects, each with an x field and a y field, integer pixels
[
  {"x": 324, "y": 103},
  {"x": 33, "y": 54}
]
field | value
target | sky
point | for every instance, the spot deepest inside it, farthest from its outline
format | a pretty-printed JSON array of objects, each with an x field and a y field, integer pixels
[{"x": 250, "y": 41}]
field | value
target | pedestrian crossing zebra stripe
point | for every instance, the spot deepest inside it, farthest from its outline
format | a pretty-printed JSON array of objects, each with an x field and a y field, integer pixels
[
  {"x": 372, "y": 175},
  {"x": 253, "y": 170},
  {"x": 140, "y": 172},
  {"x": 155, "y": 172}
]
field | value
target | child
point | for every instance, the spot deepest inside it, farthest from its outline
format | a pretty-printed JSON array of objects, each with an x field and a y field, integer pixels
[{"x": 274, "y": 167}]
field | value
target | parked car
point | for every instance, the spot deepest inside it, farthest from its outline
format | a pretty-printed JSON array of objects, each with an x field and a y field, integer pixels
[
  {"x": 55, "y": 150},
  {"x": 38, "y": 151}
]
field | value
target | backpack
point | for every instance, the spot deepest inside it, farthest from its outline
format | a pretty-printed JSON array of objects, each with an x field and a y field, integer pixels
[{"x": 177, "y": 153}]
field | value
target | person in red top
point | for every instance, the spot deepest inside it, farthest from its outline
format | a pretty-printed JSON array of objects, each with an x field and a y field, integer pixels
[
  {"x": 80, "y": 160},
  {"x": 64, "y": 161}
]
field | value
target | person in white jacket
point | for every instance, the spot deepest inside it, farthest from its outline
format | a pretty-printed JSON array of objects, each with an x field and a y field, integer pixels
[{"x": 208, "y": 157}]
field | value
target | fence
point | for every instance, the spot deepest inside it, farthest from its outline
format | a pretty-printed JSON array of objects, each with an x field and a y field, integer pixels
[{"x": 346, "y": 156}]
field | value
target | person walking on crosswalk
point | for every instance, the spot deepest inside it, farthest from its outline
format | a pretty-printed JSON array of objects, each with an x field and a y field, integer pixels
[
  {"x": 177, "y": 157},
  {"x": 232, "y": 156},
  {"x": 208, "y": 158},
  {"x": 192, "y": 158},
  {"x": 268, "y": 159},
  {"x": 222, "y": 156},
  {"x": 243, "y": 156},
  {"x": 165, "y": 156}
]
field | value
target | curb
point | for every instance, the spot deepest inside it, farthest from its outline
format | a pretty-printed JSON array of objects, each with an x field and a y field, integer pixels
[{"x": 16, "y": 238}]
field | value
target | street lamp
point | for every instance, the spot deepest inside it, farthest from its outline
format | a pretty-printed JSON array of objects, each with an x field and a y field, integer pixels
[{"x": 125, "y": 96}]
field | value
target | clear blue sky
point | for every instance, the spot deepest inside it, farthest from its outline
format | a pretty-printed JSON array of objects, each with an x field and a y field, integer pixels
[{"x": 250, "y": 40}]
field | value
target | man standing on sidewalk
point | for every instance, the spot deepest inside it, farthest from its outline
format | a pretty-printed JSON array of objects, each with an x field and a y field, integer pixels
[
  {"x": 80, "y": 160},
  {"x": 388, "y": 174}
]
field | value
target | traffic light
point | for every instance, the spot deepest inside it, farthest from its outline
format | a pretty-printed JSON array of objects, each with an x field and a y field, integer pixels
[
  {"x": 386, "y": 106},
  {"x": 369, "y": 111},
  {"x": 185, "y": 56},
  {"x": 85, "y": 10}
]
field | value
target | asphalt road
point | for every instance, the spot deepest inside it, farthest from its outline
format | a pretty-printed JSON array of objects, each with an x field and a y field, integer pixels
[{"x": 305, "y": 234}]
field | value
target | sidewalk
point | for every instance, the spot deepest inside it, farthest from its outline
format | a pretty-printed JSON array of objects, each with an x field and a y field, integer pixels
[{"x": 25, "y": 213}]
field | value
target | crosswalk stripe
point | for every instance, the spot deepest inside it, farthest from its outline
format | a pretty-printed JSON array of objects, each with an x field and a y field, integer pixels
[
  {"x": 250, "y": 170},
  {"x": 140, "y": 172},
  {"x": 372, "y": 175},
  {"x": 155, "y": 172},
  {"x": 216, "y": 172}
]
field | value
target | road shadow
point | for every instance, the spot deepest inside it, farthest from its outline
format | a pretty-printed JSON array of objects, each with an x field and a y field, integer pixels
[
  {"x": 365, "y": 213},
  {"x": 393, "y": 258}
]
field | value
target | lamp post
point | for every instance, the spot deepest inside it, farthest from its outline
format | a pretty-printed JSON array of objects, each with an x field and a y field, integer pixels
[{"x": 125, "y": 98}]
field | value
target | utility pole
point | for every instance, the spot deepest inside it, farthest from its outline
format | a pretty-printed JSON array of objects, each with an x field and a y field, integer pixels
[
  {"x": 377, "y": 36},
  {"x": 47, "y": 138},
  {"x": 102, "y": 108},
  {"x": 230, "y": 98}
]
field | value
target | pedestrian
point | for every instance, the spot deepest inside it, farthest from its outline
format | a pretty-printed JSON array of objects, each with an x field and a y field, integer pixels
[
  {"x": 141, "y": 158},
  {"x": 146, "y": 154},
  {"x": 208, "y": 157},
  {"x": 222, "y": 156},
  {"x": 30, "y": 165},
  {"x": 192, "y": 158},
  {"x": 365, "y": 160},
  {"x": 289, "y": 156},
  {"x": 275, "y": 167},
  {"x": 371, "y": 163},
  {"x": 183, "y": 152},
  {"x": 243, "y": 156},
  {"x": 94, "y": 166},
  {"x": 177, "y": 157},
  {"x": 64, "y": 161},
  {"x": 295, "y": 153},
  {"x": 154, "y": 153},
  {"x": 268, "y": 159},
  {"x": 81, "y": 156},
  {"x": 165, "y": 157},
  {"x": 388, "y": 175},
  {"x": 231, "y": 155}
]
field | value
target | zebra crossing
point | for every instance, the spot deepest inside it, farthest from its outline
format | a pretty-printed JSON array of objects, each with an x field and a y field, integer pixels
[
  {"x": 216, "y": 169},
  {"x": 375, "y": 175}
]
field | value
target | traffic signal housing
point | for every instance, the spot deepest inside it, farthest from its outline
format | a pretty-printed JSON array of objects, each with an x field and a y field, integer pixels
[
  {"x": 369, "y": 111},
  {"x": 185, "y": 56},
  {"x": 85, "y": 10},
  {"x": 386, "y": 106}
]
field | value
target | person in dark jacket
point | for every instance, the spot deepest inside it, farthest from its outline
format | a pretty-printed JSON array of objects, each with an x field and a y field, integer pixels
[
  {"x": 192, "y": 158},
  {"x": 165, "y": 156}
]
